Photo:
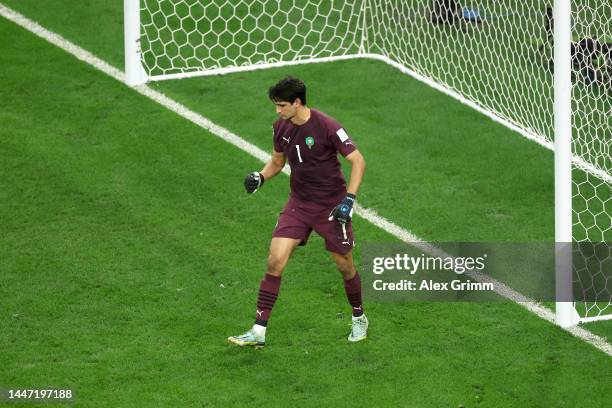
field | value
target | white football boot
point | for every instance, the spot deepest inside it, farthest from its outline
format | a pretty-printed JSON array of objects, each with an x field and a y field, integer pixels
[
  {"x": 248, "y": 339},
  {"x": 359, "y": 329}
]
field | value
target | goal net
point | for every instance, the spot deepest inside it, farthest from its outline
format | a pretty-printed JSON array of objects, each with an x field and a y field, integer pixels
[
  {"x": 181, "y": 38},
  {"x": 495, "y": 56},
  {"x": 592, "y": 145}
]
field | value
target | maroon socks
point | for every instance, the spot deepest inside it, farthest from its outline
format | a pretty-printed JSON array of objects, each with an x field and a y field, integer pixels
[
  {"x": 270, "y": 285},
  {"x": 353, "y": 294},
  {"x": 268, "y": 292}
]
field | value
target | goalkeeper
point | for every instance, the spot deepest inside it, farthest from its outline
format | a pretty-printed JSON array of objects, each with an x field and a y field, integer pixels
[{"x": 310, "y": 141}]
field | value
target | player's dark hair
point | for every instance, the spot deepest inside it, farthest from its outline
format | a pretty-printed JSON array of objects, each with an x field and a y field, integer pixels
[{"x": 288, "y": 89}]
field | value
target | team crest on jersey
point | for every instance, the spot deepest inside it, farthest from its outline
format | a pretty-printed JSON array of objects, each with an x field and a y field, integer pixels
[{"x": 310, "y": 142}]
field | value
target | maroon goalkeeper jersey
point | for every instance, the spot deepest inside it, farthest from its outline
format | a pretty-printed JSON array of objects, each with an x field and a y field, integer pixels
[{"x": 312, "y": 152}]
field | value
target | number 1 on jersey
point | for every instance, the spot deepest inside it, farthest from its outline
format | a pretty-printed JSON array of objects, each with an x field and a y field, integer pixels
[{"x": 299, "y": 155}]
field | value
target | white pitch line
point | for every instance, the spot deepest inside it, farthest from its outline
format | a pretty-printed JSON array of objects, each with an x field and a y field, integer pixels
[{"x": 368, "y": 214}]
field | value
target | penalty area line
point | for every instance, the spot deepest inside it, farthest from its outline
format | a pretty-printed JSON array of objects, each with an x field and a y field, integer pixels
[{"x": 368, "y": 214}]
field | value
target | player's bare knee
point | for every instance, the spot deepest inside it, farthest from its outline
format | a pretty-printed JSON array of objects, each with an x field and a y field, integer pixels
[
  {"x": 348, "y": 271},
  {"x": 345, "y": 266},
  {"x": 276, "y": 265}
]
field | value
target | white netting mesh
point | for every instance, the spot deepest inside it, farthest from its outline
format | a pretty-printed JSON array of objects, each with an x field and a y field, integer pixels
[
  {"x": 592, "y": 117},
  {"x": 181, "y": 36},
  {"x": 497, "y": 54},
  {"x": 493, "y": 61}
]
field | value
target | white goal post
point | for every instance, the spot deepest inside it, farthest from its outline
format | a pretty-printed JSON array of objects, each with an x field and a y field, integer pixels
[
  {"x": 134, "y": 71},
  {"x": 540, "y": 67},
  {"x": 566, "y": 315}
]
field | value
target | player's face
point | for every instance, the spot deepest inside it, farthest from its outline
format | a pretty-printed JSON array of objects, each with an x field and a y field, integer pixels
[{"x": 286, "y": 110}]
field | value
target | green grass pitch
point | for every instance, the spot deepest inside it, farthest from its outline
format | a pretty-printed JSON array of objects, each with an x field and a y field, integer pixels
[{"x": 129, "y": 251}]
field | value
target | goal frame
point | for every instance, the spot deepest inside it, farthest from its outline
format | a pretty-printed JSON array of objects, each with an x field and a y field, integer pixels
[{"x": 566, "y": 315}]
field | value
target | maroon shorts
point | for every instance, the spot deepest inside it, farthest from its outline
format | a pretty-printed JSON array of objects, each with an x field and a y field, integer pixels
[{"x": 297, "y": 220}]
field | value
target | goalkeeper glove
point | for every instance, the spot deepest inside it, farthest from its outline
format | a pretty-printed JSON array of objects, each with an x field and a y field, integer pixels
[
  {"x": 253, "y": 181},
  {"x": 343, "y": 211}
]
